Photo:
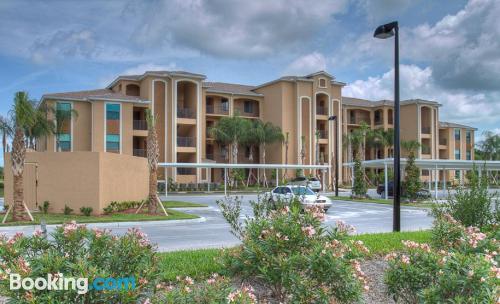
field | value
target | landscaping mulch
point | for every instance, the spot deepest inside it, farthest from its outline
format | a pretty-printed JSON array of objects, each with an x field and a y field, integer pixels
[{"x": 374, "y": 269}]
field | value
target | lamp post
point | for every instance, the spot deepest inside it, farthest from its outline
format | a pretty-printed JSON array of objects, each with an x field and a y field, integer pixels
[
  {"x": 334, "y": 118},
  {"x": 383, "y": 32}
]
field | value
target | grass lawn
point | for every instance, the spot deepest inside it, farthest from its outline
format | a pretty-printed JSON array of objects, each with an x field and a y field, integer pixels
[
  {"x": 179, "y": 204},
  {"x": 61, "y": 218},
  {"x": 424, "y": 204},
  {"x": 200, "y": 264}
]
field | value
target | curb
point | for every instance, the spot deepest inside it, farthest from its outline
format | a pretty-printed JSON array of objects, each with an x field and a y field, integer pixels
[{"x": 114, "y": 224}]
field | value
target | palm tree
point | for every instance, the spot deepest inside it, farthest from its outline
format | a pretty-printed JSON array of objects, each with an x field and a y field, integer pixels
[
  {"x": 266, "y": 134},
  {"x": 152, "y": 154},
  {"x": 24, "y": 117},
  {"x": 411, "y": 146},
  {"x": 7, "y": 130},
  {"x": 60, "y": 118},
  {"x": 286, "y": 153},
  {"x": 303, "y": 149},
  {"x": 230, "y": 131},
  {"x": 490, "y": 146},
  {"x": 250, "y": 141}
]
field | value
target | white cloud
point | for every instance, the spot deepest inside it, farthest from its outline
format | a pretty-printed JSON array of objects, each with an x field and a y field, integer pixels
[
  {"x": 234, "y": 28},
  {"x": 462, "y": 49},
  {"x": 64, "y": 43},
  {"x": 306, "y": 64},
  {"x": 458, "y": 105}
]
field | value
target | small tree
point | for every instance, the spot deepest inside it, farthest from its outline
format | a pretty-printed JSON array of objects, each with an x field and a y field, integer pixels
[
  {"x": 359, "y": 189},
  {"x": 412, "y": 183}
]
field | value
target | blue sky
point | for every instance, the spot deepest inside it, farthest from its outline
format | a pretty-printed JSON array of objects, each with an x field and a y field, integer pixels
[{"x": 449, "y": 49}]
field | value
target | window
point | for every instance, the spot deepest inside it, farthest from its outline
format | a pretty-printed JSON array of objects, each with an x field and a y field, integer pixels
[
  {"x": 468, "y": 137},
  {"x": 302, "y": 191},
  {"x": 113, "y": 127},
  {"x": 457, "y": 153},
  {"x": 64, "y": 130},
  {"x": 468, "y": 155},
  {"x": 322, "y": 83},
  {"x": 225, "y": 104},
  {"x": 248, "y": 106},
  {"x": 352, "y": 117},
  {"x": 457, "y": 174},
  {"x": 277, "y": 190},
  {"x": 457, "y": 134},
  {"x": 286, "y": 190},
  {"x": 378, "y": 117}
]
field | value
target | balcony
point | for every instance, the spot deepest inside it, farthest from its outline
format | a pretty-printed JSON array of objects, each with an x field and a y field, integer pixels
[
  {"x": 443, "y": 142},
  {"x": 218, "y": 109},
  {"x": 323, "y": 134},
  {"x": 140, "y": 125},
  {"x": 186, "y": 171},
  {"x": 426, "y": 130},
  {"x": 359, "y": 120},
  {"x": 186, "y": 141},
  {"x": 250, "y": 114},
  {"x": 426, "y": 149},
  {"x": 321, "y": 110},
  {"x": 139, "y": 152},
  {"x": 185, "y": 113}
]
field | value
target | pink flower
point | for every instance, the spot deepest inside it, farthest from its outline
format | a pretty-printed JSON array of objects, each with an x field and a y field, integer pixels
[
  {"x": 37, "y": 233},
  {"x": 309, "y": 231},
  {"x": 342, "y": 227},
  {"x": 405, "y": 259}
]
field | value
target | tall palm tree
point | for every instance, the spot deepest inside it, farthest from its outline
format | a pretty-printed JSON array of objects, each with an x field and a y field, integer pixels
[
  {"x": 411, "y": 146},
  {"x": 490, "y": 146},
  {"x": 24, "y": 117},
  {"x": 286, "y": 142},
  {"x": 153, "y": 155},
  {"x": 267, "y": 133},
  {"x": 7, "y": 130},
  {"x": 230, "y": 131},
  {"x": 250, "y": 141}
]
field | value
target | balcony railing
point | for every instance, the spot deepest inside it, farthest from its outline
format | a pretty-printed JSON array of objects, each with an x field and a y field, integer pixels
[
  {"x": 426, "y": 130},
  {"x": 378, "y": 121},
  {"x": 217, "y": 109},
  {"x": 323, "y": 134},
  {"x": 185, "y": 113},
  {"x": 358, "y": 121},
  {"x": 443, "y": 141},
  {"x": 250, "y": 114},
  {"x": 140, "y": 125},
  {"x": 426, "y": 150},
  {"x": 186, "y": 171},
  {"x": 185, "y": 141},
  {"x": 139, "y": 152},
  {"x": 321, "y": 110}
]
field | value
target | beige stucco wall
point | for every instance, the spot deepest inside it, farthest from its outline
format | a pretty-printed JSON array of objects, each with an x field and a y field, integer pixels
[{"x": 91, "y": 179}]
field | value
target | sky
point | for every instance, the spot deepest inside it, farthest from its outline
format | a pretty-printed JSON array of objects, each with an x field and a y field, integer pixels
[{"x": 449, "y": 48}]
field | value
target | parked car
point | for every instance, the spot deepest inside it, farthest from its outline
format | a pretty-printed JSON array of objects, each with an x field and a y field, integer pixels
[
  {"x": 305, "y": 195},
  {"x": 421, "y": 194},
  {"x": 312, "y": 182}
]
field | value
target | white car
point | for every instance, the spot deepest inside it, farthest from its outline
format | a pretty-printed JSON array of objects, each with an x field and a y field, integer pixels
[
  {"x": 306, "y": 196},
  {"x": 311, "y": 182}
]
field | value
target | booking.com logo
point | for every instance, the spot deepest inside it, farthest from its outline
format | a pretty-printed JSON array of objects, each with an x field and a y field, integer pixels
[{"x": 81, "y": 285}]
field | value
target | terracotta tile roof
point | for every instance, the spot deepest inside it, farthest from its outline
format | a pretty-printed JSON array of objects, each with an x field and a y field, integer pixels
[
  {"x": 445, "y": 124},
  {"x": 350, "y": 101},
  {"x": 222, "y": 87},
  {"x": 98, "y": 94}
]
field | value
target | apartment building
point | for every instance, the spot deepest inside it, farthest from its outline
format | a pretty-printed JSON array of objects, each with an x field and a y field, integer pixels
[
  {"x": 186, "y": 106},
  {"x": 419, "y": 121}
]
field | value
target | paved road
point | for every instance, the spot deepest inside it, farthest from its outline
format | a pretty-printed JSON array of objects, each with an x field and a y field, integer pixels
[{"x": 213, "y": 232}]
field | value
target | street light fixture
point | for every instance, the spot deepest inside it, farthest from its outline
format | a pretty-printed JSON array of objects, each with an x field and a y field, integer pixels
[
  {"x": 383, "y": 32},
  {"x": 334, "y": 118}
]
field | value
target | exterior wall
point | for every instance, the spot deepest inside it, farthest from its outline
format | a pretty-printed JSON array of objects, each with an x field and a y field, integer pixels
[{"x": 79, "y": 179}]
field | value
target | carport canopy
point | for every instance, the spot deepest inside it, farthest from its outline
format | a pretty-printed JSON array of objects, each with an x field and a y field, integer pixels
[{"x": 431, "y": 165}]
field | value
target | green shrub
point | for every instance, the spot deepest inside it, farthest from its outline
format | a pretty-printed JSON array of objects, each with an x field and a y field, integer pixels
[
  {"x": 67, "y": 210},
  {"x": 122, "y": 206},
  {"x": 87, "y": 211},
  {"x": 78, "y": 252},
  {"x": 292, "y": 253},
  {"x": 45, "y": 207},
  {"x": 460, "y": 267},
  {"x": 471, "y": 206},
  {"x": 216, "y": 289}
]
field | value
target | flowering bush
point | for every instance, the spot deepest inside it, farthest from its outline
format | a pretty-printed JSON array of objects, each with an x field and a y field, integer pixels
[
  {"x": 73, "y": 251},
  {"x": 460, "y": 267},
  {"x": 291, "y": 253},
  {"x": 216, "y": 289}
]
